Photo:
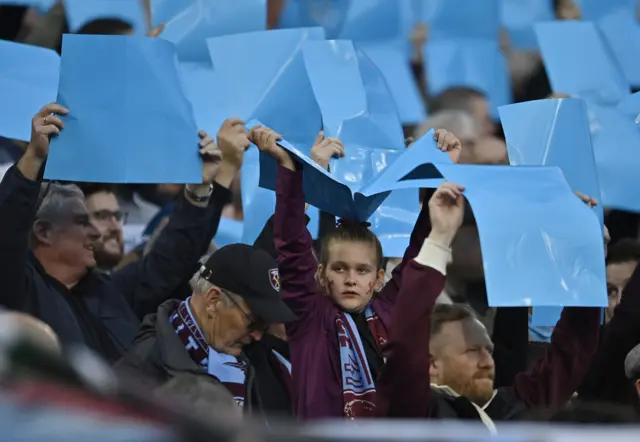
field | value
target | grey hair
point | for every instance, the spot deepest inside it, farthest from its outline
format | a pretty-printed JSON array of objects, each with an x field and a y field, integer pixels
[
  {"x": 54, "y": 200},
  {"x": 458, "y": 122}
]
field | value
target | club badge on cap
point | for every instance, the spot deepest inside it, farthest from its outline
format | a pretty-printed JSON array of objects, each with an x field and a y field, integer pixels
[{"x": 274, "y": 278}]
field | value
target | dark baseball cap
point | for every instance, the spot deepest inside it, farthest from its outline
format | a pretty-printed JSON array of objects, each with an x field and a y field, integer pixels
[{"x": 251, "y": 274}]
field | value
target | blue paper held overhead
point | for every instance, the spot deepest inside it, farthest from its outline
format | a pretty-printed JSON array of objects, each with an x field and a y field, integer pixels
[
  {"x": 353, "y": 97},
  {"x": 81, "y": 12},
  {"x": 394, "y": 220},
  {"x": 454, "y": 19},
  {"x": 331, "y": 194},
  {"x": 474, "y": 63},
  {"x": 28, "y": 81},
  {"x": 393, "y": 66},
  {"x": 615, "y": 136},
  {"x": 372, "y": 20},
  {"x": 328, "y": 14},
  {"x": 229, "y": 232},
  {"x": 278, "y": 93},
  {"x": 197, "y": 80},
  {"x": 529, "y": 258},
  {"x": 42, "y": 5},
  {"x": 554, "y": 133},
  {"x": 518, "y": 18},
  {"x": 129, "y": 121},
  {"x": 621, "y": 32},
  {"x": 592, "y": 10},
  {"x": 579, "y": 63},
  {"x": 203, "y": 19}
]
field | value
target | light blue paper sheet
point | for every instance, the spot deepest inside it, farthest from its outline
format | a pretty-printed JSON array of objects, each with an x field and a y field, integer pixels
[
  {"x": 260, "y": 204},
  {"x": 579, "y": 63},
  {"x": 28, "y": 81},
  {"x": 278, "y": 93},
  {"x": 554, "y": 132},
  {"x": 229, "y": 232},
  {"x": 518, "y": 18},
  {"x": 394, "y": 221},
  {"x": 328, "y": 14},
  {"x": 41, "y": 5},
  {"x": 592, "y": 73},
  {"x": 351, "y": 200},
  {"x": 164, "y": 10},
  {"x": 621, "y": 31},
  {"x": 362, "y": 113},
  {"x": 197, "y": 80},
  {"x": 81, "y": 12},
  {"x": 395, "y": 69},
  {"x": 203, "y": 19},
  {"x": 545, "y": 316},
  {"x": 129, "y": 120},
  {"x": 455, "y": 19},
  {"x": 475, "y": 63},
  {"x": 372, "y": 20},
  {"x": 592, "y": 10},
  {"x": 529, "y": 258}
]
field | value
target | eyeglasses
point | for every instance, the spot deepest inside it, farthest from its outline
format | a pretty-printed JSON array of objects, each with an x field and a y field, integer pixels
[{"x": 255, "y": 323}]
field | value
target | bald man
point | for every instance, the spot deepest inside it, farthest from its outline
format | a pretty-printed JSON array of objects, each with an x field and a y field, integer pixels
[{"x": 16, "y": 324}]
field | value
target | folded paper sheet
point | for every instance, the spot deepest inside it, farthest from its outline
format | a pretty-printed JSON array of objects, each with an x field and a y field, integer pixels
[
  {"x": 554, "y": 133},
  {"x": 529, "y": 258},
  {"x": 28, "y": 81},
  {"x": 362, "y": 114},
  {"x": 518, "y": 18},
  {"x": 378, "y": 28},
  {"x": 456, "y": 19},
  {"x": 202, "y": 19},
  {"x": 359, "y": 199},
  {"x": 81, "y": 12},
  {"x": 129, "y": 120},
  {"x": 579, "y": 62},
  {"x": 278, "y": 94},
  {"x": 466, "y": 62},
  {"x": 621, "y": 31},
  {"x": 198, "y": 80}
]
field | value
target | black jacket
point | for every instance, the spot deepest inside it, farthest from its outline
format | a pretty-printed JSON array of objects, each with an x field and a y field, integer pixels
[
  {"x": 157, "y": 355},
  {"x": 102, "y": 311}
]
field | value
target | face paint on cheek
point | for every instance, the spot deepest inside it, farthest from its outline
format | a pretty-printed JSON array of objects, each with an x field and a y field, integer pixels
[{"x": 370, "y": 291}]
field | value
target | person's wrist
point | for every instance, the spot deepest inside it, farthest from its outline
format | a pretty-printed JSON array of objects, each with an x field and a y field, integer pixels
[{"x": 442, "y": 238}]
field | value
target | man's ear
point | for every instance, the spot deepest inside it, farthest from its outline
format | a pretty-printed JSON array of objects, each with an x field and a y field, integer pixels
[
  {"x": 379, "y": 280},
  {"x": 213, "y": 301},
  {"x": 638, "y": 387},
  {"x": 434, "y": 368},
  {"x": 42, "y": 231}
]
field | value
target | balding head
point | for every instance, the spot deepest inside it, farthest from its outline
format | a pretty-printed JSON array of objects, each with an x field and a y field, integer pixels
[{"x": 20, "y": 325}]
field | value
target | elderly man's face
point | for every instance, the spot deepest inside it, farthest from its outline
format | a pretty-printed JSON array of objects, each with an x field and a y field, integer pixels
[{"x": 479, "y": 109}]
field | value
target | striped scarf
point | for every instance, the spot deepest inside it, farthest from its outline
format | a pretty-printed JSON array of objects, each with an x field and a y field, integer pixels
[
  {"x": 229, "y": 370},
  {"x": 358, "y": 385}
]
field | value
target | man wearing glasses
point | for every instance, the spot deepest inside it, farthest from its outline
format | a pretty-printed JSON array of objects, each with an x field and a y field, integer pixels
[
  {"x": 106, "y": 216},
  {"x": 235, "y": 297}
]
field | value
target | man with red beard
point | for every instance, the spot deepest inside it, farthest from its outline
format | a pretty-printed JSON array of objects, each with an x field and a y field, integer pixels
[{"x": 106, "y": 216}]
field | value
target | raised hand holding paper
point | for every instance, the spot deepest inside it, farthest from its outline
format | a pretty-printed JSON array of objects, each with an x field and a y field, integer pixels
[
  {"x": 203, "y": 19},
  {"x": 81, "y": 12},
  {"x": 129, "y": 121},
  {"x": 28, "y": 81},
  {"x": 554, "y": 133}
]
